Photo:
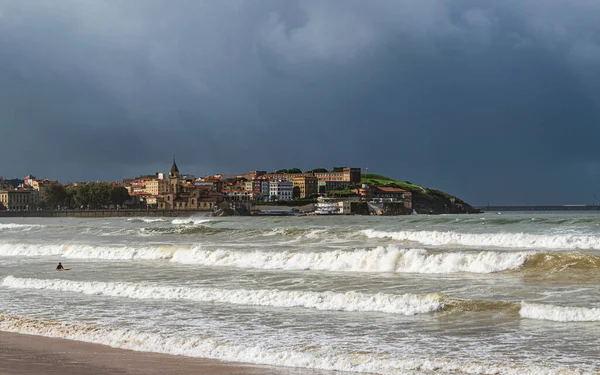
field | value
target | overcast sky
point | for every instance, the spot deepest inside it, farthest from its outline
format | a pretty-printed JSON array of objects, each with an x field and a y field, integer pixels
[{"x": 493, "y": 100}]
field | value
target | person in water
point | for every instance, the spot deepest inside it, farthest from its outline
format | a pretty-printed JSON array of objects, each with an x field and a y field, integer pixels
[{"x": 60, "y": 266}]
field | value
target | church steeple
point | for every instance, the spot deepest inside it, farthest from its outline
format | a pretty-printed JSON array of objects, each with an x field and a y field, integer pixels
[{"x": 174, "y": 171}]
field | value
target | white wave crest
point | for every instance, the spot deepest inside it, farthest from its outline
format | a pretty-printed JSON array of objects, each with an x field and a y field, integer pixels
[
  {"x": 21, "y": 227},
  {"x": 380, "y": 259},
  {"x": 81, "y": 251},
  {"x": 323, "y": 358},
  {"x": 559, "y": 313},
  {"x": 30, "y": 250},
  {"x": 406, "y": 304},
  {"x": 145, "y": 219},
  {"x": 191, "y": 220},
  {"x": 502, "y": 240}
]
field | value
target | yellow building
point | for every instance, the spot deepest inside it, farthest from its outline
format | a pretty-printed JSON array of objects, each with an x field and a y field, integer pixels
[{"x": 308, "y": 185}]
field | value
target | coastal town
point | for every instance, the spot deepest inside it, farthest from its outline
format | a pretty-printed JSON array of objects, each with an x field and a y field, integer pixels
[{"x": 339, "y": 191}]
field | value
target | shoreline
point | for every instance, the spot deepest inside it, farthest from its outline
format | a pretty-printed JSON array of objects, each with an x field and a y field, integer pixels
[{"x": 23, "y": 354}]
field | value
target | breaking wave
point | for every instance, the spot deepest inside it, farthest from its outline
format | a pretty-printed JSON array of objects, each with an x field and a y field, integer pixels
[
  {"x": 388, "y": 259},
  {"x": 559, "y": 313},
  {"x": 380, "y": 259},
  {"x": 197, "y": 220},
  {"x": 319, "y": 357},
  {"x": 195, "y": 229},
  {"x": 79, "y": 251},
  {"x": 406, "y": 304},
  {"x": 145, "y": 219},
  {"x": 501, "y": 240},
  {"x": 21, "y": 227}
]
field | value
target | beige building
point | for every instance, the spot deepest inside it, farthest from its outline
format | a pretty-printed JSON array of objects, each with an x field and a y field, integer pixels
[
  {"x": 16, "y": 200},
  {"x": 157, "y": 187},
  {"x": 308, "y": 185}
]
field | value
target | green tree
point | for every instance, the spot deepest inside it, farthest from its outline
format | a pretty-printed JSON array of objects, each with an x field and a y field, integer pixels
[
  {"x": 119, "y": 195},
  {"x": 54, "y": 195}
]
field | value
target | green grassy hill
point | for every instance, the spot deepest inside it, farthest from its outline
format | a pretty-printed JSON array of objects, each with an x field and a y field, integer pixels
[{"x": 425, "y": 200}]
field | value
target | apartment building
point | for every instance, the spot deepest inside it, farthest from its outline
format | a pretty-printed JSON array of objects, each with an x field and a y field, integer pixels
[
  {"x": 308, "y": 185},
  {"x": 280, "y": 190},
  {"x": 16, "y": 200}
]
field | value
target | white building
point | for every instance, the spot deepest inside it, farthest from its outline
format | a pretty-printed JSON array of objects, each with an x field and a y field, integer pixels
[{"x": 280, "y": 190}]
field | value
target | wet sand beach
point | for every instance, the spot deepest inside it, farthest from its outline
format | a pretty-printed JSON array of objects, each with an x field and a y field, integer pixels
[{"x": 35, "y": 355}]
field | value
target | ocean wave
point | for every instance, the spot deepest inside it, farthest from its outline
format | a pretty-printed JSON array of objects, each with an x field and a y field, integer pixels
[
  {"x": 29, "y": 250},
  {"x": 559, "y": 313},
  {"x": 380, "y": 259},
  {"x": 405, "y": 304},
  {"x": 195, "y": 220},
  {"x": 323, "y": 358},
  {"x": 195, "y": 229},
  {"x": 500, "y": 240},
  {"x": 145, "y": 219},
  {"x": 20, "y": 227},
  {"x": 81, "y": 251}
]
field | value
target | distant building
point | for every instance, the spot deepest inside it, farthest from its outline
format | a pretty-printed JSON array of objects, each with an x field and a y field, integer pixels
[
  {"x": 385, "y": 194},
  {"x": 280, "y": 190},
  {"x": 183, "y": 195},
  {"x": 260, "y": 189},
  {"x": 28, "y": 180},
  {"x": 347, "y": 175},
  {"x": 157, "y": 187},
  {"x": 16, "y": 200},
  {"x": 308, "y": 185}
]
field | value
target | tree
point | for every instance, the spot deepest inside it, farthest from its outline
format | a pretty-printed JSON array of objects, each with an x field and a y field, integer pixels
[
  {"x": 319, "y": 170},
  {"x": 54, "y": 195},
  {"x": 119, "y": 195}
]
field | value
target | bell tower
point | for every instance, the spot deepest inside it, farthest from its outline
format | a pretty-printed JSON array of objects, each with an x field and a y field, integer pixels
[{"x": 174, "y": 177}]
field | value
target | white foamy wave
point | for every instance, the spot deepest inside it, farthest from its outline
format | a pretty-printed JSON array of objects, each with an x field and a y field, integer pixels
[
  {"x": 506, "y": 240},
  {"x": 406, "y": 304},
  {"x": 29, "y": 250},
  {"x": 118, "y": 253},
  {"x": 380, "y": 259},
  {"x": 323, "y": 358},
  {"x": 145, "y": 219},
  {"x": 22, "y": 227},
  {"x": 191, "y": 220},
  {"x": 559, "y": 313},
  {"x": 80, "y": 251}
]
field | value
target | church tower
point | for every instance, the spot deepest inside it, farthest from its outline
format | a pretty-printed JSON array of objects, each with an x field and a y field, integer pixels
[{"x": 174, "y": 178}]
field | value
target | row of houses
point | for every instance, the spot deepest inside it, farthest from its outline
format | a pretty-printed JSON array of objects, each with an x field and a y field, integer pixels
[
  {"x": 177, "y": 191},
  {"x": 25, "y": 197}
]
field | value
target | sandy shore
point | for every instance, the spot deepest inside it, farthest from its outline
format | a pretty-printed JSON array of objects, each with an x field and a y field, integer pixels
[{"x": 36, "y": 355}]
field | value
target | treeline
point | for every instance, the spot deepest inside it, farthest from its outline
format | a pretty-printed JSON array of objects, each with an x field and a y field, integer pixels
[
  {"x": 94, "y": 195},
  {"x": 316, "y": 170}
]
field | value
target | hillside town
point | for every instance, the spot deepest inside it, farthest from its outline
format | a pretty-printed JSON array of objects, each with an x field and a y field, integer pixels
[{"x": 317, "y": 191}]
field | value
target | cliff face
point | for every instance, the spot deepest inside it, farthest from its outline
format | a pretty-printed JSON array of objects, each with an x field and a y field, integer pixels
[
  {"x": 425, "y": 200},
  {"x": 432, "y": 201}
]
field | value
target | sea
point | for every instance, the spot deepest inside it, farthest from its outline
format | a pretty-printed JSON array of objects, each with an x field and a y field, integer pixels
[{"x": 509, "y": 293}]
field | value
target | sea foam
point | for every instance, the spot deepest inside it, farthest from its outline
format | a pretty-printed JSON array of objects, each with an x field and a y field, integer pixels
[
  {"x": 559, "y": 313},
  {"x": 500, "y": 240},
  {"x": 380, "y": 259},
  {"x": 81, "y": 251},
  {"x": 324, "y": 358},
  {"x": 405, "y": 304},
  {"x": 21, "y": 227}
]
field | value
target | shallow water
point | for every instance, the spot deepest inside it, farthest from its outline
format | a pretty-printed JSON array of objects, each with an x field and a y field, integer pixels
[{"x": 472, "y": 294}]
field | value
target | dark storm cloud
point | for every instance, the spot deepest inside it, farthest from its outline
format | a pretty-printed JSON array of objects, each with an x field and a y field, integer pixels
[{"x": 488, "y": 100}]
